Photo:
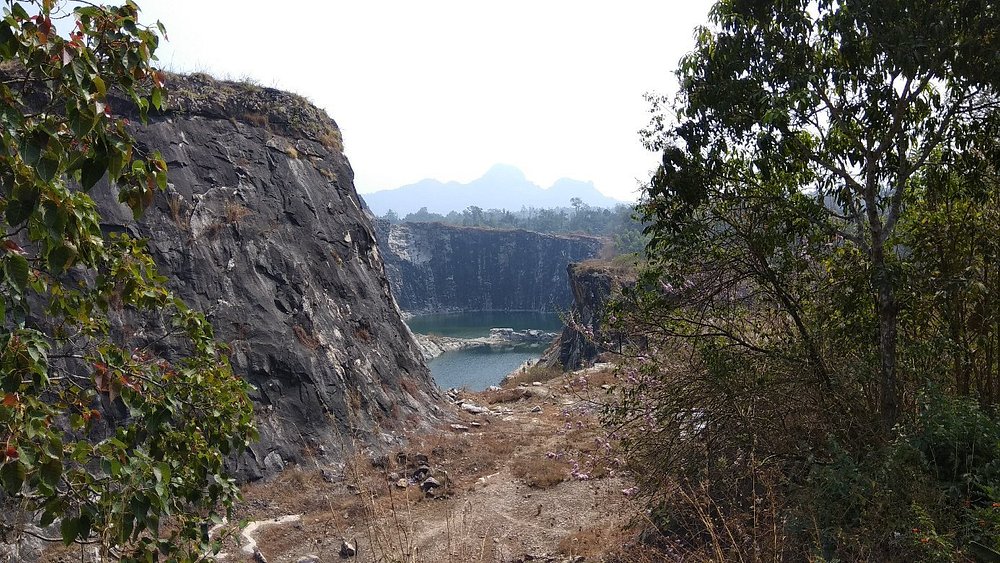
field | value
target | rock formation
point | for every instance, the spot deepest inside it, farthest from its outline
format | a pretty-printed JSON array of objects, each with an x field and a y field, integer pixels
[
  {"x": 593, "y": 284},
  {"x": 262, "y": 229},
  {"x": 438, "y": 268}
]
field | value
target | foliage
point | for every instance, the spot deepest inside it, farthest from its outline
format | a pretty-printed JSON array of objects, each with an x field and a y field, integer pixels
[
  {"x": 117, "y": 407},
  {"x": 619, "y": 224},
  {"x": 820, "y": 312}
]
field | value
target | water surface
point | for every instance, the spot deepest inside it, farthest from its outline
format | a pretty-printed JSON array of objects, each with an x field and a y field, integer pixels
[
  {"x": 473, "y": 325},
  {"x": 478, "y": 368}
]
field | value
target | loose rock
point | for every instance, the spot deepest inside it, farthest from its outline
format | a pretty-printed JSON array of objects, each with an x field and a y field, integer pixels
[{"x": 473, "y": 408}]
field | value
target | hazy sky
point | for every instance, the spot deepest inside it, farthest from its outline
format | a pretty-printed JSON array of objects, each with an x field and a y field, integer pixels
[{"x": 445, "y": 89}]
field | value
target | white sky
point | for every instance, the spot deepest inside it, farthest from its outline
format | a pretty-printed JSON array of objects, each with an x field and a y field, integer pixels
[{"x": 445, "y": 89}]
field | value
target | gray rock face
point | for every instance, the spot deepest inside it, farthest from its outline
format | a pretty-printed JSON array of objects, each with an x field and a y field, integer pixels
[
  {"x": 583, "y": 339},
  {"x": 434, "y": 267},
  {"x": 262, "y": 229}
]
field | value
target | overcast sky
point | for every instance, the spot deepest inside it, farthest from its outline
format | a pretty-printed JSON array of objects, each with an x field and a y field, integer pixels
[{"x": 445, "y": 89}]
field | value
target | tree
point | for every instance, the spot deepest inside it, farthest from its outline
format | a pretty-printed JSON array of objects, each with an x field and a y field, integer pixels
[
  {"x": 830, "y": 113},
  {"x": 117, "y": 406},
  {"x": 819, "y": 323}
]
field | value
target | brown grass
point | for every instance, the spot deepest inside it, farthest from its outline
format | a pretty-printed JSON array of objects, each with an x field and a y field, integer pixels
[
  {"x": 291, "y": 152},
  {"x": 332, "y": 140},
  {"x": 234, "y": 212},
  {"x": 176, "y": 204},
  {"x": 305, "y": 338},
  {"x": 535, "y": 373},
  {"x": 589, "y": 542},
  {"x": 363, "y": 334},
  {"x": 328, "y": 174},
  {"x": 539, "y": 472},
  {"x": 506, "y": 395},
  {"x": 257, "y": 119},
  {"x": 409, "y": 386}
]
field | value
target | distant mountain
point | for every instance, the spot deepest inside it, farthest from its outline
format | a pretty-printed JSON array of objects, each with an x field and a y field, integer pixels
[{"x": 502, "y": 187}]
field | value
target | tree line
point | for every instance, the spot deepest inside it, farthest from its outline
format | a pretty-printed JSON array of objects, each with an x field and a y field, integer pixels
[{"x": 620, "y": 224}]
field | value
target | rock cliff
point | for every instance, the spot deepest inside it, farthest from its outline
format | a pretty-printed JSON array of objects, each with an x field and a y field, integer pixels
[
  {"x": 262, "y": 229},
  {"x": 593, "y": 284},
  {"x": 436, "y": 268}
]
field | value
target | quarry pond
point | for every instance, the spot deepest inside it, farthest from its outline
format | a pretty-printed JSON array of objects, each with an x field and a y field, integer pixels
[{"x": 478, "y": 368}]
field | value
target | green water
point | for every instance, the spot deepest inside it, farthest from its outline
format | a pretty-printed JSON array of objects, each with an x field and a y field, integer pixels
[
  {"x": 479, "y": 368},
  {"x": 473, "y": 325}
]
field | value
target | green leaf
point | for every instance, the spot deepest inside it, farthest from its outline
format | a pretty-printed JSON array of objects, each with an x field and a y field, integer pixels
[
  {"x": 102, "y": 89},
  {"x": 48, "y": 167},
  {"x": 61, "y": 258},
  {"x": 8, "y": 41},
  {"x": 55, "y": 218},
  {"x": 50, "y": 472},
  {"x": 33, "y": 145},
  {"x": 19, "y": 12},
  {"x": 17, "y": 270},
  {"x": 12, "y": 475},
  {"x": 18, "y": 211},
  {"x": 157, "y": 98},
  {"x": 93, "y": 170},
  {"x": 69, "y": 528},
  {"x": 49, "y": 516}
]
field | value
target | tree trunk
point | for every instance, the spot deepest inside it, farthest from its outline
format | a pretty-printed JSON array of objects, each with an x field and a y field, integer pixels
[{"x": 886, "y": 309}]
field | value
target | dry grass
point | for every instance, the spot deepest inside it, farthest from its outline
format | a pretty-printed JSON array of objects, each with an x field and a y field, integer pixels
[
  {"x": 305, "y": 338},
  {"x": 291, "y": 152},
  {"x": 539, "y": 472},
  {"x": 590, "y": 542},
  {"x": 535, "y": 373},
  {"x": 257, "y": 120},
  {"x": 176, "y": 204},
  {"x": 409, "y": 386},
  {"x": 332, "y": 140},
  {"x": 486, "y": 470},
  {"x": 234, "y": 212},
  {"x": 505, "y": 395},
  {"x": 363, "y": 334},
  {"x": 328, "y": 174}
]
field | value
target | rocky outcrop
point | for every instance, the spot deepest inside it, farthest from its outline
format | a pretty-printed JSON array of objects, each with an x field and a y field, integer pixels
[
  {"x": 432, "y": 345},
  {"x": 436, "y": 268},
  {"x": 261, "y": 228},
  {"x": 593, "y": 284}
]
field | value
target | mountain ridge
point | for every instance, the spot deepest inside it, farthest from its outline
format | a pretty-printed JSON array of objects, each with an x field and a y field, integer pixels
[{"x": 501, "y": 187}]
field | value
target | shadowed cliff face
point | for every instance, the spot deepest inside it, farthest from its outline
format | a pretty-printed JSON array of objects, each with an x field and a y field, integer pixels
[
  {"x": 435, "y": 268},
  {"x": 262, "y": 229},
  {"x": 584, "y": 338}
]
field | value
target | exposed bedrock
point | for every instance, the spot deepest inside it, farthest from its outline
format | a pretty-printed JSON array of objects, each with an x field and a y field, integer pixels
[
  {"x": 585, "y": 337},
  {"x": 437, "y": 268},
  {"x": 262, "y": 229}
]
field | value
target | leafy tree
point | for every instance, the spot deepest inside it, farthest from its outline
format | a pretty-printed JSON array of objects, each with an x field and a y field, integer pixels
[
  {"x": 819, "y": 326},
  {"x": 473, "y": 215},
  {"x": 849, "y": 102},
  {"x": 116, "y": 406}
]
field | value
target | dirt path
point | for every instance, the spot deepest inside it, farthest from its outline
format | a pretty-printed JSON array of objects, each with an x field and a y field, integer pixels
[{"x": 524, "y": 481}]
